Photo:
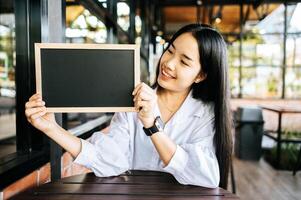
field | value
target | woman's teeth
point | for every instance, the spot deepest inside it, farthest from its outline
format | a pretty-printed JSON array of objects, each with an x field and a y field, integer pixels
[{"x": 165, "y": 74}]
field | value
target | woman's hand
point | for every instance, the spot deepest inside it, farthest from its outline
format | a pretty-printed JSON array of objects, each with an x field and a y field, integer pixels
[
  {"x": 36, "y": 114},
  {"x": 145, "y": 99}
]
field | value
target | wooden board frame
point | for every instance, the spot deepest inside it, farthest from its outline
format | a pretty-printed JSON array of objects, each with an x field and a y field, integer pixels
[{"x": 39, "y": 46}]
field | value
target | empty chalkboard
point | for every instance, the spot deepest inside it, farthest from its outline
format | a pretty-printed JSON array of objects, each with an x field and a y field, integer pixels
[{"x": 87, "y": 77}]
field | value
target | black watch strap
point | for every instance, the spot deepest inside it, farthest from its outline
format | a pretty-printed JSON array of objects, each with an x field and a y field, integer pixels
[{"x": 157, "y": 127}]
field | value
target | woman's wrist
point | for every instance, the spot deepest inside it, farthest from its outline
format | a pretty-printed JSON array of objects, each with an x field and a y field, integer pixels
[
  {"x": 53, "y": 127},
  {"x": 147, "y": 123}
]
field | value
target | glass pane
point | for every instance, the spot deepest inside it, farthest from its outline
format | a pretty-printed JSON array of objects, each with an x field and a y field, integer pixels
[
  {"x": 272, "y": 18},
  {"x": 233, "y": 62},
  {"x": 123, "y": 15},
  {"x": 293, "y": 82},
  {"x": 293, "y": 50},
  {"x": 233, "y": 55},
  {"x": 293, "y": 18},
  {"x": 7, "y": 83},
  {"x": 249, "y": 54},
  {"x": 234, "y": 81},
  {"x": 138, "y": 27},
  {"x": 293, "y": 70},
  {"x": 261, "y": 82},
  {"x": 269, "y": 51},
  {"x": 83, "y": 27}
]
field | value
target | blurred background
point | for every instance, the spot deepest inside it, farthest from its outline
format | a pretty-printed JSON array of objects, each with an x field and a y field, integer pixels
[{"x": 264, "y": 55}]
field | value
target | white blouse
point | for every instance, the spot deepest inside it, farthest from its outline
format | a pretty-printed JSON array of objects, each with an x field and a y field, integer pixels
[{"x": 126, "y": 147}]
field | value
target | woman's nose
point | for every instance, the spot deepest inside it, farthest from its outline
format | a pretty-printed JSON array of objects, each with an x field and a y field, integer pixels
[{"x": 171, "y": 64}]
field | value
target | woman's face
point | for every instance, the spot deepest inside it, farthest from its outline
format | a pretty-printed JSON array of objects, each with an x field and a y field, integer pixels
[{"x": 180, "y": 65}]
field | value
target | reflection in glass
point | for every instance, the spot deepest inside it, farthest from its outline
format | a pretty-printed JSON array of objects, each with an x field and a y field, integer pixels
[
  {"x": 123, "y": 15},
  {"x": 261, "y": 82},
  {"x": 293, "y": 71},
  {"x": 293, "y": 82},
  {"x": 293, "y": 17},
  {"x": 274, "y": 22},
  {"x": 7, "y": 84},
  {"x": 84, "y": 27}
]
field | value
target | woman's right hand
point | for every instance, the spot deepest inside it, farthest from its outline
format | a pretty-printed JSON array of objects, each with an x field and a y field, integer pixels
[{"x": 37, "y": 115}]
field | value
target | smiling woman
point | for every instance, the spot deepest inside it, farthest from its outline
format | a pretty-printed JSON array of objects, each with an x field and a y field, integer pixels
[
  {"x": 186, "y": 57},
  {"x": 196, "y": 56},
  {"x": 181, "y": 125}
]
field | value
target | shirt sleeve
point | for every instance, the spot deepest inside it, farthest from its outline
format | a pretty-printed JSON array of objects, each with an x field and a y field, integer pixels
[
  {"x": 195, "y": 163},
  {"x": 107, "y": 154}
]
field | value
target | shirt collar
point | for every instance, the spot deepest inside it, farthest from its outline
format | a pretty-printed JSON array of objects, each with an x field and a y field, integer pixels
[{"x": 191, "y": 107}]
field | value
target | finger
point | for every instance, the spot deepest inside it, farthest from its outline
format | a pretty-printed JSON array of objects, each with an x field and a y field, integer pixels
[
  {"x": 136, "y": 96},
  {"x": 144, "y": 95},
  {"x": 144, "y": 88},
  {"x": 142, "y": 105},
  {"x": 35, "y": 96},
  {"x": 140, "y": 86},
  {"x": 31, "y": 111},
  {"x": 137, "y": 88},
  {"x": 37, "y": 115},
  {"x": 148, "y": 88},
  {"x": 36, "y": 103}
]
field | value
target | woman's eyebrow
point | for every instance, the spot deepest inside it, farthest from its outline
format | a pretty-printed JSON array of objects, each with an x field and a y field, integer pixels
[{"x": 182, "y": 54}]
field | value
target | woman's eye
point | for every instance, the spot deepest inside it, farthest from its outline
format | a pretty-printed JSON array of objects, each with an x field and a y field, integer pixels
[
  {"x": 184, "y": 63},
  {"x": 169, "y": 50}
]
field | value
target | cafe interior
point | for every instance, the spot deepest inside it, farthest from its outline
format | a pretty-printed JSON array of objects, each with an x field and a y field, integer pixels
[{"x": 263, "y": 40}]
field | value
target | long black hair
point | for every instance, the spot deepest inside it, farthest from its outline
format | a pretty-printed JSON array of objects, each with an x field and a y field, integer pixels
[{"x": 214, "y": 88}]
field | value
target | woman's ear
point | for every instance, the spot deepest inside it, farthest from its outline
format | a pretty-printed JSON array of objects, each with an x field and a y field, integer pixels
[{"x": 200, "y": 77}]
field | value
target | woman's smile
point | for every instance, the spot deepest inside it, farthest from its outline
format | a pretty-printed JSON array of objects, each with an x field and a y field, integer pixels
[{"x": 165, "y": 75}]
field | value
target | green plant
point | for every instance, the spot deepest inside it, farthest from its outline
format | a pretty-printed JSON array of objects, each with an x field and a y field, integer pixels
[{"x": 289, "y": 152}]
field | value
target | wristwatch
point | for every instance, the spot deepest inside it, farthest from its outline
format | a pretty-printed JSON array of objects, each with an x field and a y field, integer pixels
[{"x": 157, "y": 127}]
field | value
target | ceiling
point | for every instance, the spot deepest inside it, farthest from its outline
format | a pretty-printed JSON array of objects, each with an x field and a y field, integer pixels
[
  {"x": 229, "y": 16},
  {"x": 176, "y": 13}
]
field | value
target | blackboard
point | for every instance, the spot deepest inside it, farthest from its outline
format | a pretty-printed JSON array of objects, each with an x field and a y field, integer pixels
[{"x": 87, "y": 77}]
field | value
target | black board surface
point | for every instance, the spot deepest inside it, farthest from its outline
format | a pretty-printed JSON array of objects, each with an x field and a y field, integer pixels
[{"x": 87, "y": 77}]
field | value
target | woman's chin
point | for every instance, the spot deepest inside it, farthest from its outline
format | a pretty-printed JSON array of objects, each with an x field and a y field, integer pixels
[{"x": 163, "y": 84}]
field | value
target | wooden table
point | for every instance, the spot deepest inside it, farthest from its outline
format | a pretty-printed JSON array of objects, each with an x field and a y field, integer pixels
[
  {"x": 280, "y": 110},
  {"x": 134, "y": 185}
]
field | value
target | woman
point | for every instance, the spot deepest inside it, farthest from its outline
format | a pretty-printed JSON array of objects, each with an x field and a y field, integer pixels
[{"x": 182, "y": 126}]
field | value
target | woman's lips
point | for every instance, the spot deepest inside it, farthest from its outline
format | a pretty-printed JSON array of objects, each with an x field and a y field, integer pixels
[{"x": 166, "y": 75}]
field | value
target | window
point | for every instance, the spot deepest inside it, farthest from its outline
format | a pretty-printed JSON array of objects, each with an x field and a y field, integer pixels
[
  {"x": 82, "y": 27},
  {"x": 293, "y": 52},
  {"x": 123, "y": 15},
  {"x": 263, "y": 71},
  {"x": 7, "y": 80}
]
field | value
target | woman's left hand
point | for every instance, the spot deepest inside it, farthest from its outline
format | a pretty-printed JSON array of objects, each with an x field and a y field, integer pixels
[{"x": 145, "y": 99}]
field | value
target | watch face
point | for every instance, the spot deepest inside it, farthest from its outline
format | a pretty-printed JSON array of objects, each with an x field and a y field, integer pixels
[
  {"x": 159, "y": 123},
  {"x": 157, "y": 127}
]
